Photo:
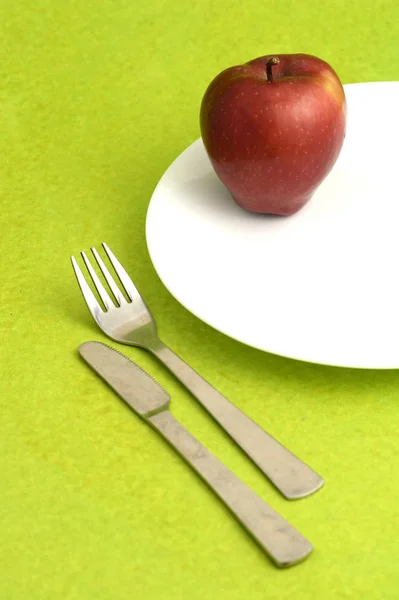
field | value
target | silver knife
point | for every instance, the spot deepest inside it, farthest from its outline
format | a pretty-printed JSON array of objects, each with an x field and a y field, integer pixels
[{"x": 281, "y": 541}]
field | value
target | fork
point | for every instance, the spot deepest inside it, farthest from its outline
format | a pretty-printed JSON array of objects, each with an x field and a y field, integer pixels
[{"x": 131, "y": 322}]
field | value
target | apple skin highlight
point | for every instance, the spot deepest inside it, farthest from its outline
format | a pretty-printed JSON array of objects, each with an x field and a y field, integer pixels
[{"x": 273, "y": 129}]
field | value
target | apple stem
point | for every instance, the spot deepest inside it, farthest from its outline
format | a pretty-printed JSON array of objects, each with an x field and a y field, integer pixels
[{"x": 273, "y": 60}]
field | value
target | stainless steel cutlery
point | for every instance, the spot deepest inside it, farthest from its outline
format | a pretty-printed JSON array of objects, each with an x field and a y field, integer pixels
[
  {"x": 131, "y": 322},
  {"x": 281, "y": 541}
]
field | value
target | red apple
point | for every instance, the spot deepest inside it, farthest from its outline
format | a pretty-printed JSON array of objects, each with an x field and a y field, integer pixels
[{"x": 273, "y": 129}]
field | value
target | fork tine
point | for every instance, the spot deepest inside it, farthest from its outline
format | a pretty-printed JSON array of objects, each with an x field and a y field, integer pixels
[
  {"x": 127, "y": 283},
  {"x": 99, "y": 286},
  {"x": 110, "y": 280},
  {"x": 88, "y": 295}
]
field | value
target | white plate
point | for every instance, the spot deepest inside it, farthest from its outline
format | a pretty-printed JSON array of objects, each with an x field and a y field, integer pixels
[{"x": 320, "y": 286}]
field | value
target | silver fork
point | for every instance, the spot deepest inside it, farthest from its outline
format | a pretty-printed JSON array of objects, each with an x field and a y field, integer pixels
[{"x": 131, "y": 322}]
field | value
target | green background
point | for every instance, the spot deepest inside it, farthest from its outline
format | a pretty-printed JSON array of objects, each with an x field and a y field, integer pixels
[{"x": 96, "y": 100}]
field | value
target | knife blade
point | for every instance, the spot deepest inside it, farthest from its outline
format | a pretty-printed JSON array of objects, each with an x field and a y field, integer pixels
[{"x": 278, "y": 538}]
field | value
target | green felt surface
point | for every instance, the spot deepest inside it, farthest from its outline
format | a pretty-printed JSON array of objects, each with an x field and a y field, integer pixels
[{"x": 96, "y": 100}]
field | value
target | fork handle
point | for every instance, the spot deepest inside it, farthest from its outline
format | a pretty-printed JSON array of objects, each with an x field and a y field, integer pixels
[
  {"x": 287, "y": 472},
  {"x": 281, "y": 541}
]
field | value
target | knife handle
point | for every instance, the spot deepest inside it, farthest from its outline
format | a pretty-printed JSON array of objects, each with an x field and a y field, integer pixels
[
  {"x": 282, "y": 542},
  {"x": 291, "y": 476}
]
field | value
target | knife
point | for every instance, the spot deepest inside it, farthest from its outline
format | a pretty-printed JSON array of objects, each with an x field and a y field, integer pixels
[{"x": 280, "y": 540}]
